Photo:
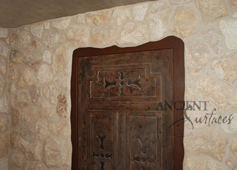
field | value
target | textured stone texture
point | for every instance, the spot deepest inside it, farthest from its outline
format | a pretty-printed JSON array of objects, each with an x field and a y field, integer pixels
[
  {"x": 61, "y": 82},
  {"x": 185, "y": 22},
  {"x": 3, "y": 32},
  {"x": 27, "y": 132},
  {"x": 42, "y": 131},
  {"x": 61, "y": 60},
  {"x": 45, "y": 74},
  {"x": 233, "y": 3},
  {"x": 3, "y": 66},
  {"x": 18, "y": 159},
  {"x": 79, "y": 35},
  {"x": 134, "y": 34},
  {"x": 52, "y": 154},
  {"x": 3, "y": 145},
  {"x": 62, "y": 106},
  {"x": 207, "y": 165},
  {"x": 4, "y": 163},
  {"x": 46, "y": 111},
  {"x": 25, "y": 39},
  {"x": 121, "y": 15},
  {"x": 52, "y": 38},
  {"x": 49, "y": 93},
  {"x": 29, "y": 114},
  {"x": 31, "y": 56},
  {"x": 37, "y": 30},
  {"x": 13, "y": 139},
  {"x": 139, "y": 11},
  {"x": 2, "y": 85},
  {"x": 180, "y": 1},
  {"x": 233, "y": 147},
  {"x": 226, "y": 99},
  {"x": 104, "y": 36},
  {"x": 98, "y": 18},
  {"x": 23, "y": 99},
  {"x": 207, "y": 142},
  {"x": 35, "y": 166},
  {"x": 35, "y": 92},
  {"x": 62, "y": 24},
  {"x": 3, "y": 123},
  {"x": 27, "y": 77},
  {"x": 231, "y": 162},
  {"x": 229, "y": 29},
  {"x": 226, "y": 68},
  {"x": 3, "y": 49},
  {"x": 47, "y": 57},
  {"x": 212, "y": 9},
  {"x": 3, "y": 104},
  {"x": 214, "y": 40},
  {"x": 60, "y": 128},
  {"x": 66, "y": 150},
  {"x": 15, "y": 117},
  {"x": 232, "y": 127}
]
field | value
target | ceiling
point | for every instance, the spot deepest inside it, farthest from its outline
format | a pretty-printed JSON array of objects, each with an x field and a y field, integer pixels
[{"x": 16, "y": 13}]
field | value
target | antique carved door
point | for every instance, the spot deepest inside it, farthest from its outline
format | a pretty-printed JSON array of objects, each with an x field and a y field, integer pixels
[{"x": 118, "y": 122}]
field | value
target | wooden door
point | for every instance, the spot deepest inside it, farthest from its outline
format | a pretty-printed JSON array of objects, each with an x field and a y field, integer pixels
[{"x": 117, "y": 122}]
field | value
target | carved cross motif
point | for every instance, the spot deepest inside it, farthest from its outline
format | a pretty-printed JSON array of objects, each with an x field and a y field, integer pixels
[
  {"x": 101, "y": 155},
  {"x": 121, "y": 83},
  {"x": 143, "y": 145}
]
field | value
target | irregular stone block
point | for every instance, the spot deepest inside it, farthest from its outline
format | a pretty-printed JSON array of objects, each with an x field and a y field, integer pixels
[
  {"x": 42, "y": 130},
  {"x": 61, "y": 82},
  {"x": 3, "y": 32},
  {"x": 233, "y": 4},
  {"x": 139, "y": 11},
  {"x": 2, "y": 85},
  {"x": 229, "y": 30},
  {"x": 185, "y": 22},
  {"x": 3, "y": 104},
  {"x": 60, "y": 128},
  {"x": 4, "y": 51},
  {"x": 180, "y": 1},
  {"x": 29, "y": 114},
  {"x": 35, "y": 166},
  {"x": 27, "y": 132},
  {"x": 45, "y": 74},
  {"x": 23, "y": 99},
  {"x": 4, "y": 163},
  {"x": 52, "y": 38},
  {"x": 61, "y": 24},
  {"x": 231, "y": 162},
  {"x": 66, "y": 151},
  {"x": 3, "y": 66},
  {"x": 13, "y": 139},
  {"x": 49, "y": 93},
  {"x": 25, "y": 39},
  {"x": 3, "y": 123},
  {"x": 46, "y": 111},
  {"x": 35, "y": 92},
  {"x": 62, "y": 106},
  {"x": 211, "y": 142},
  {"x": 18, "y": 158},
  {"x": 134, "y": 34},
  {"x": 98, "y": 18},
  {"x": 121, "y": 15},
  {"x": 31, "y": 56},
  {"x": 47, "y": 57},
  {"x": 79, "y": 35},
  {"x": 3, "y": 145},
  {"x": 37, "y": 30},
  {"x": 212, "y": 9},
  {"x": 27, "y": 77},
  {"x": 207, "y": 165},
  {"x": 15, "y": 117},
  {"x": 52, "y": 154}
]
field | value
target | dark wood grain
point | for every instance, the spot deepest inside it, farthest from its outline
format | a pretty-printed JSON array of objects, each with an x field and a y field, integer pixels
[{"x": 153, "y": 72}]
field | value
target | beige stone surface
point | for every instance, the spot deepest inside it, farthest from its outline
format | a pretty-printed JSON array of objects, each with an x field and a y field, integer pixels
[
  {"x": 18, "y": 158},
  {"x": 98, "y": 18},
  {"x": 3, "y": 144},
  {"x": 211, "y": 91},
  {"x": 60, "y": 128},
  {"x": 35, "y": 92},
  {"x": 139, "y": 11},
  {"x": 32, "y": 151},
  {"x": 215, "y": 40},
  {"x": 31, "y": 56},
  {"x": 226, "y": 68},
  {"x": 3, "y": 66},
  {"x": 3, "y": 32},
  {"x": 4, "y": 163},
  {"x": 49, "y": 92},
  {"x": 46, "y": 111},
  {"x": 212, "y": 9},
  {"x": 45, "y": 74},
  {"x": 187, "y": 163},
  {"x": 229, "y": 30},
  {"x": 105, "y": 36},
  {"x": 233, "y": 3},
  {"x": 47, "y": 57},
  {"x": 233, "y": 147},
  {"x": 134, "y": 34},
  {"x": 11, "y": 88},
  {"x": 3, "y": 123},
  {"x": 231, "y": 162},
  {"x": 16, "y": 57},
  {"x": 209, "y": 142},
  {"x": 185, "y": 21},
  {"x": 15, "y": 117},
  {"x": 27, "y": 77},
  {"x": 23, "y": 99},
  {"x": 66, "y": 150},
  {"x": 37, "y": 30},
  {"x": 35, "y": 166},
  {"x": 158, "y": 23},
  {"x": 13, "y": 139},
  {"x": 62, "y": 106},
  {"x": 3, "y": 104},
  {"x": 79, "y": 35},
  {"x": 61, "y": 24},
  {"x": 52, "y": 154},
  {"x": 4, "y": 50},
  {"x": 13, "y": 74},
  {"x": 61, "y": 60},
  {"x": 121, "y": 15},
  {"x": 27, "y": 132},
  {"x": 61, "y": 82},
  {"x": 207, "y": 165},
  {"x": 29, "y": 114},
  {"x": 2, "y": 85},
  {"x": 42, "y": 130},
  {"x": 52, "y": 38},
  {"x": 180, "y": 1},
  {"x": 25, "y": 39}
]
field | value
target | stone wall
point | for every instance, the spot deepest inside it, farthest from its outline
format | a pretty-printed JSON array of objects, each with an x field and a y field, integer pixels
[{"x": 35, "y": 70}]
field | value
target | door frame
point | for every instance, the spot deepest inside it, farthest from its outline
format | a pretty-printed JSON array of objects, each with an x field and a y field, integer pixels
[{"x": 170, "y": 42}]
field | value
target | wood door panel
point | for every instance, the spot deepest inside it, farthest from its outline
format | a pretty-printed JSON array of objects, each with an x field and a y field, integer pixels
[{"x": 118, "y": 120}]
